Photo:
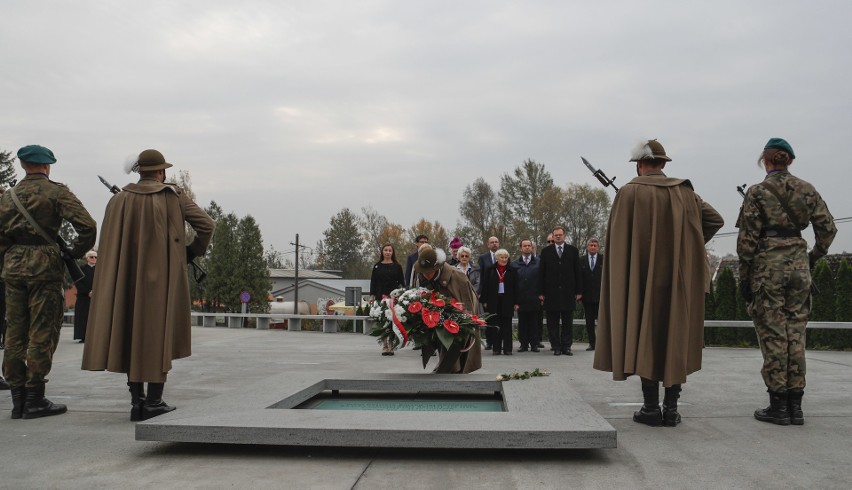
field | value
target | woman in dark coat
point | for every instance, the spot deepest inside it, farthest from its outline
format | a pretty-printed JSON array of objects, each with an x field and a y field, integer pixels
[
  {"x": 387, "y": 276},
  {"x": 84, "y": 296},
  {"x": 500, "y": 299}
]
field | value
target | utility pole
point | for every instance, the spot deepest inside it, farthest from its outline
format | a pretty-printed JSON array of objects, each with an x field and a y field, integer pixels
[{"x": 296, "y": 277}]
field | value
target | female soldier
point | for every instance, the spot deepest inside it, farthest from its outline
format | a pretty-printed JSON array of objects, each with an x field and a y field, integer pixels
[{"x": 775, "y": 275}]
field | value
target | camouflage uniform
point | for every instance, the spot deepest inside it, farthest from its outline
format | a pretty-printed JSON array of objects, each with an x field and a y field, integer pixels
[
  {"x": 777, "y": 270},
  {"x": 33, "y": 272}
]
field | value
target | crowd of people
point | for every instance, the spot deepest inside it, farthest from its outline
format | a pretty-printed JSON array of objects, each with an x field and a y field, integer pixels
[{"x": 644, "y": 302}]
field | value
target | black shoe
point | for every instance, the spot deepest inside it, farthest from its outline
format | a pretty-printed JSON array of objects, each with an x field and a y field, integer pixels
[
  {"x": 36, "y": 405},
  {"x": 155, "y": 408},
  {"x": 777, "y": 412},
  {"x": 523, "y": 349},
  {"x": 18, "y": 398},
  {"x": 3, "y": 384},
  {"x": 496, "y": 353},
  {"x": 417, "y": 347},
  {"x": 670, "y": 416},
  {"x": 540, "y": 345},
  {"x": 568, "y": 352},
  {"x": 557, "y": 353},
  {"x": 81, "y": 341},
  {"x": 591, "y": 347},
  {"x": 794, "y": 406},
  {"x": 534, "y": 349},
  {"x": 507, "y": 353},
  {"x": 488, "y": 346},
  {"x": 652, "y": 416}
]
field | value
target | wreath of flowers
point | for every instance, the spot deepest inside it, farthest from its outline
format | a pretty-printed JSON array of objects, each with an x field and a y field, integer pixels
[{"x": 425, "y": 317}]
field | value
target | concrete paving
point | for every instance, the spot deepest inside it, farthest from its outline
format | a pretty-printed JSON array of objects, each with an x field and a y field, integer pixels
[{"x": 718, "y": 445}]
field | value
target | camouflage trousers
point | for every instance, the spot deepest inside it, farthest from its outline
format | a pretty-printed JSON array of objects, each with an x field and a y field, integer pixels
[
  {"x": 782, "y": 303},
  {"x": 34, "y": 312}
]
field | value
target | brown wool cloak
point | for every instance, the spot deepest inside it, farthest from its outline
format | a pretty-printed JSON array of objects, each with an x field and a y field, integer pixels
[
  {"x": 455, "y": 284},
  {"x": 651, "y": 316},
  {"x": 139, "y": 320}
]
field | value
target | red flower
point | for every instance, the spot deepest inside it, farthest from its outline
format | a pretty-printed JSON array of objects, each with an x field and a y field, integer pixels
[
  {"x": 415, "y": 306},
  {"x": 455, "y": 304},
  {"x": 477, "y": 320},
  {"x": 437, "y": 302},
  {"x": 430, "y": 318},
  {"x": 451, "y": 326}
]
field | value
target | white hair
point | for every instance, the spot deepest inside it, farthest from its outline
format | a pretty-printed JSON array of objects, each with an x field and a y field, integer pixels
[{"x": 502, "y": 251}]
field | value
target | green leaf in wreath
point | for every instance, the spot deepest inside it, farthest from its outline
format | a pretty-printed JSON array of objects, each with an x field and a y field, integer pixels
[{"x": 445, "y": 337}]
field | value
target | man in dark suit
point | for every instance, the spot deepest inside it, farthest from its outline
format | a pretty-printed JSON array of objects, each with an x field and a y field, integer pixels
[
  {"x": 591, "y": 264},
  {"x": 529, "y": 307},
  {"x": 409, "y": 262},
  {"x": 560, "y": 286},
  {"x": 486, "y": 260}
]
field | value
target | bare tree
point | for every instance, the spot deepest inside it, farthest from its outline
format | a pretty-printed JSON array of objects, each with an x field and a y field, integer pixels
[
  {"x": 478, "y": 213},
  {"x": 585, "y": 213},
  {"x": 436, "y": 232},
  {"x": 521, "y": 208}
]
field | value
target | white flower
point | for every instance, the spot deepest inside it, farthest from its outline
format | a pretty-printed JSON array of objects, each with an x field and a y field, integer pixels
[
  {"x": 399, "y": 310},
  {"x": 389, "y": 315}
]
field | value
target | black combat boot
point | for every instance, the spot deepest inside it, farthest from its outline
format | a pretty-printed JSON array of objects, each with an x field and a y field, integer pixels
[
  {"x": 18, "y": 396},
  {"x": 137, "y": 399},
  {"x": 36, "y": 405},
  {"x": 777, "y": 411},
  {"x": 154, "y": 404},
  {"x": 670, "y": 416},
  {"x": 650, "y": 413},
  {"x": 794, "y": 405}
]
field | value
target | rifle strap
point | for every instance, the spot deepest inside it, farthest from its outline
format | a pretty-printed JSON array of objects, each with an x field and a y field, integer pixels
[
  {"x": 29, "y": 218},
  {"x": 784, "y": 204}
]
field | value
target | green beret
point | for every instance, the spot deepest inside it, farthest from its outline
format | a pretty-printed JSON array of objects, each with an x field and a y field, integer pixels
[
  {"x": 36, "y": 154},
  {"x": 780, "y": 144}
]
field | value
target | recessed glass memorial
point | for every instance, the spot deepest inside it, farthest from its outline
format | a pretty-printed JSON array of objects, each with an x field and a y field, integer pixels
[{"x": 405, "y": 402}]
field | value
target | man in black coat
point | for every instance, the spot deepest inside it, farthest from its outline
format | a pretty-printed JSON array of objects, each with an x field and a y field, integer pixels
[
  {"x": 529, "y": 306},
  {"x": 409, "y": 262},
  {"x": 560, "y": 286},
  {"x": 591, "y": 264}
]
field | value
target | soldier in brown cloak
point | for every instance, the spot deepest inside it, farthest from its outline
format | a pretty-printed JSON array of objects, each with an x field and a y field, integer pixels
[
  {"x": 651, "y": 317},
  {"x": 434, "y": 273},
  {"x": 139, "y": 320}
]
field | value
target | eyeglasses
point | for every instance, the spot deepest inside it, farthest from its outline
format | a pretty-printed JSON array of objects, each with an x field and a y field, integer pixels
[{"x": 549, "y": 242}]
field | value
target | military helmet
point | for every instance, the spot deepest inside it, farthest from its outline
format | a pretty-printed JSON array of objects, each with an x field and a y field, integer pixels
[
  {"x": 150, "y": 160},
  {"x": 649, "y": 150}
]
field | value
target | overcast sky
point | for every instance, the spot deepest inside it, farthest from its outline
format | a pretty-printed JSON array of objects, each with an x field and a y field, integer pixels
[{"x": 291, "y": 111}]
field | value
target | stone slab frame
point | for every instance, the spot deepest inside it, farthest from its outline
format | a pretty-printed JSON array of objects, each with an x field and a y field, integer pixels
[{"x": 539, "y": 413}]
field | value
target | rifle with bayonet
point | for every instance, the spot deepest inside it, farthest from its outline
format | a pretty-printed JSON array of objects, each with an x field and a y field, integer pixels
[
  {"x": 198, "y": 272},
  {"x": 600, "y": 175}
]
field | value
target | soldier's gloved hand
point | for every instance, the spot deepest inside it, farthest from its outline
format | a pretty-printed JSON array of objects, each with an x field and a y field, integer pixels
[
  {"x": 189, "y": 255},
  {"x": 812, "y": 260},
  {"x": 745, "y": 290}
]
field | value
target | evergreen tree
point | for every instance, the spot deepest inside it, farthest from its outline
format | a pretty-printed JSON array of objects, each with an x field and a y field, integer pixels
[
  {"x": 7, "y": 169},
  {"x": 223, "y": 282},
  {"x": 823, "y": 306},
  {"x": 253, "y": 273},
  {"x": 726, "y": 305},
  {"x": 343, "y": 246},
  {"x": 843, "y": 293},
  {"x": 726, "y": 295},
  {"x": 710, "y": 304}
]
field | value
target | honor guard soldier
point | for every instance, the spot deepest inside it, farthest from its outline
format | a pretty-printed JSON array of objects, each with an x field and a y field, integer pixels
[
  {"x": 139, "y": 319},
  {"x": 775, "y": 277},
  {"x": 30, "y": 217}
]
